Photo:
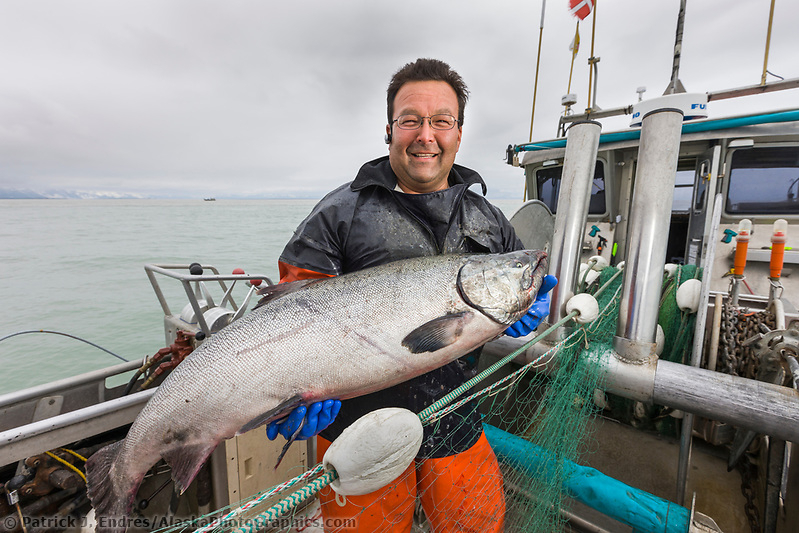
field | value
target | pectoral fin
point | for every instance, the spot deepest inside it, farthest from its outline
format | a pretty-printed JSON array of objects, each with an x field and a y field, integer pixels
[
  {"x": 284, "y": 408},
  {"x": 436, "y": 334}
]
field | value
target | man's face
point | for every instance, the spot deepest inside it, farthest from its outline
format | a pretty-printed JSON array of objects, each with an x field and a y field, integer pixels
[{"x": 422, "y": 158}]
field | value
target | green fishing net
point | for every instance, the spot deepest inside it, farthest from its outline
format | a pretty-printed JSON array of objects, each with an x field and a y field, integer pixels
[
  {"x": 547, "y": 402},
  {"x": 552, "y": 409}
]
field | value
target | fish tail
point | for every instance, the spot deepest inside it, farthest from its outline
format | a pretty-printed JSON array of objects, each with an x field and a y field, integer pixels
[{"x": 112, "y": 496}]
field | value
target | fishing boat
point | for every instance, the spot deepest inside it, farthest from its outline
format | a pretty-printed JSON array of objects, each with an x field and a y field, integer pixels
[
  {"x": 715, "y": 194},
  {"x": 700, "y": 437}
]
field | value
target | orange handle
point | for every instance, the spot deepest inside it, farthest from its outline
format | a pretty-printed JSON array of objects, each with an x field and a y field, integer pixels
[
  {"x": 777, "y": 256},
  {"x": 739, "y": 262}
]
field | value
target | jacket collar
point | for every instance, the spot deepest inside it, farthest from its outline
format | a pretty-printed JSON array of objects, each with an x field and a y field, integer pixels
[{"x": 378, "y": 172}]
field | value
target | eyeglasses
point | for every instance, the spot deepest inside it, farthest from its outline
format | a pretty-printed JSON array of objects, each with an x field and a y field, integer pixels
[{"x": 414, "y": 122}]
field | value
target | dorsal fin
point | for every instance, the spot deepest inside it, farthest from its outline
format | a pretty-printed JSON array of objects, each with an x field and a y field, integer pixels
[{"x": 273, "y": 292}]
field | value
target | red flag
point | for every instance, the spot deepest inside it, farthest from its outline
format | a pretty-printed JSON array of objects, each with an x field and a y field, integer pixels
[{"x": 581, "y": 8}]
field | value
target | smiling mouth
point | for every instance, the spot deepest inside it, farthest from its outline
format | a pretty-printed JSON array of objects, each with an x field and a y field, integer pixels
[{"x": 424, "y": 156}]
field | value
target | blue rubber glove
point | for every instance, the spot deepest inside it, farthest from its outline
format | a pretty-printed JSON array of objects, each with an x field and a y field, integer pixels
[
  {"x": 537, "y": 312},
  {"x": 317, "y": 417}
]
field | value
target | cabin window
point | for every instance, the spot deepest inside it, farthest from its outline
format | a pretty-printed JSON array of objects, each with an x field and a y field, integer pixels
[
  {"x": 702, "y": 179},
  {"x": 764, "y": 181},
  {"x": 548, "y": 183},
  {"x": 683, "y": 191}
]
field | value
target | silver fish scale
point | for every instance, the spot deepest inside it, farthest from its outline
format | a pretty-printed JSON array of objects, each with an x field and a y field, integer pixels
[{"x": 339, "y": 338}]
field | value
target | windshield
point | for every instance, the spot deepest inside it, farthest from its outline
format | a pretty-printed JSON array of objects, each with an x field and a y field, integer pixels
[
  {"x": 764, "y": 181},
  {"x": 548, "y": 184}
]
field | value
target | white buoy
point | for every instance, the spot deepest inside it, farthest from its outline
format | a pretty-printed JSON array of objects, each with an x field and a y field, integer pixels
[
  {"x": 374, "y": 450},
  {"x": 600, "y": 399},
  {"x": 660, "y": 340},
  {"x": 586, "y": 305},
  {"x": 688, "y": 295},
  {"x": 671, "y": 269},
  {"x": 600, "y": 263}
]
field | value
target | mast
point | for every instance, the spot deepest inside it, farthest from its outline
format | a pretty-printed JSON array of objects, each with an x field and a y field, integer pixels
[
  {"x": 675, "y": 85},
  {"x": 768, "y": 42}
]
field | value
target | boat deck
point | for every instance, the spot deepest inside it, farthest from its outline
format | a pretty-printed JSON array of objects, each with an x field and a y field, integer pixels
[{"x": 649, "y": 462}]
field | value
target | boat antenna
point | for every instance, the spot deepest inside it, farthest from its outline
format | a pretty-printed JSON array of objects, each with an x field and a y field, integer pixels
[
  {"x": 675, "y": 85},
  {"x": 537, "y": 65},
  {"x": 768, "y": 42}
]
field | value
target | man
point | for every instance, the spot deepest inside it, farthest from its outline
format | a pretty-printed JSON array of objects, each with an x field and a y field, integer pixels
[{"x": 412, "y": 203}]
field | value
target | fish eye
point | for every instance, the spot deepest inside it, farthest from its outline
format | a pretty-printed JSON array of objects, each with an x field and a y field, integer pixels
[{"x": 519, "y": 264}]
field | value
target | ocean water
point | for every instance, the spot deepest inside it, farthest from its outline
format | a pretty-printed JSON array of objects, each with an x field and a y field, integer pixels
[{"x": 77, "y": 267}]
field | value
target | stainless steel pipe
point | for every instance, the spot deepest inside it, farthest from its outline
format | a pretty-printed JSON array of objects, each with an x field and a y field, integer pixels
[
  {"x": 745, "y": 403},
  {"x": 647, "y": 234},
  {"x": 579, "y": 163}
]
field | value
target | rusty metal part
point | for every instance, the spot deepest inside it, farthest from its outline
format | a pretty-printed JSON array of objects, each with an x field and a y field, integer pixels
[
  {"x": 753, "y": 347},
  {"x": 768, "y": 350},
  {"x": 50, "y": 474},
  {"x": 736, "y": 357},
  {"x": 39, "y": 485},
  {"x": 178, "y": 351},
  {"x": 747, "y": 470},
  {"x": 50, "y": 478},
  {"x": 779, "y": 342}
]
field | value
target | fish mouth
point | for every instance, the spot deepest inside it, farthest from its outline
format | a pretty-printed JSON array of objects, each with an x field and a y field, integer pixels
[{"x": 540, "y": 270}]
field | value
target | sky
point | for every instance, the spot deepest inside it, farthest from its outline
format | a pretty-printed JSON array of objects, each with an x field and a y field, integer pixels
[{"x": 199, "y": 98}]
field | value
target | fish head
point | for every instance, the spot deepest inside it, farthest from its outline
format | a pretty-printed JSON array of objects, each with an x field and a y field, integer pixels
[{"x": 503, "y": 286}]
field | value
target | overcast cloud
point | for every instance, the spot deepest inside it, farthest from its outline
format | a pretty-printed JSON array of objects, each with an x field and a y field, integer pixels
[{"x": 268, "y": 98}]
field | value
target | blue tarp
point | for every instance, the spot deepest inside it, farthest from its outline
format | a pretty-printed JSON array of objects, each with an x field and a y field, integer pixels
[{"x": 644, "y": 512}]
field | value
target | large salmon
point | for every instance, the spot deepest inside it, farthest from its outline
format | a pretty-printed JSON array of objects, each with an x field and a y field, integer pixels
[{"x": 334, "y": 338}]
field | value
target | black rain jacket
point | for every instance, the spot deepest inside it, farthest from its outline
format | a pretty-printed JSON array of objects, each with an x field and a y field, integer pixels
[{"x": 369, "y": 222}]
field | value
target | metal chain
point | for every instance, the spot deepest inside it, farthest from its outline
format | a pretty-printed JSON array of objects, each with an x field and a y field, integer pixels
[
  {"x": 734, "y": 358},
  {"x": 751, "y": 511},
  {"x": 737, "y": 325},
  {"x": 727, "y": 361}
]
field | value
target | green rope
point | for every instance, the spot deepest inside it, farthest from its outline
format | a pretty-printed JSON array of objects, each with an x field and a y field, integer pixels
[
  {"x": 426, "y": 414},
  {"x": 286, "y": 504},
  {"x": 507, "y": 381},
  {"x": 579, "y": 336},
  {"x": 260, "y": 498}
]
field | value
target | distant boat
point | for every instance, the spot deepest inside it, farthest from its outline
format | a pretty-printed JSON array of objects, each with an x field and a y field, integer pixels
[{"x": 210, "y": 199}]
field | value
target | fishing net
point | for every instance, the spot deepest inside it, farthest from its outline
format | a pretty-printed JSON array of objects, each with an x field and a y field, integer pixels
[
  {"x": 678, "y": 330},
  {"x": 551, "y": 410},
  {"x": 542, "y": 408}
]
